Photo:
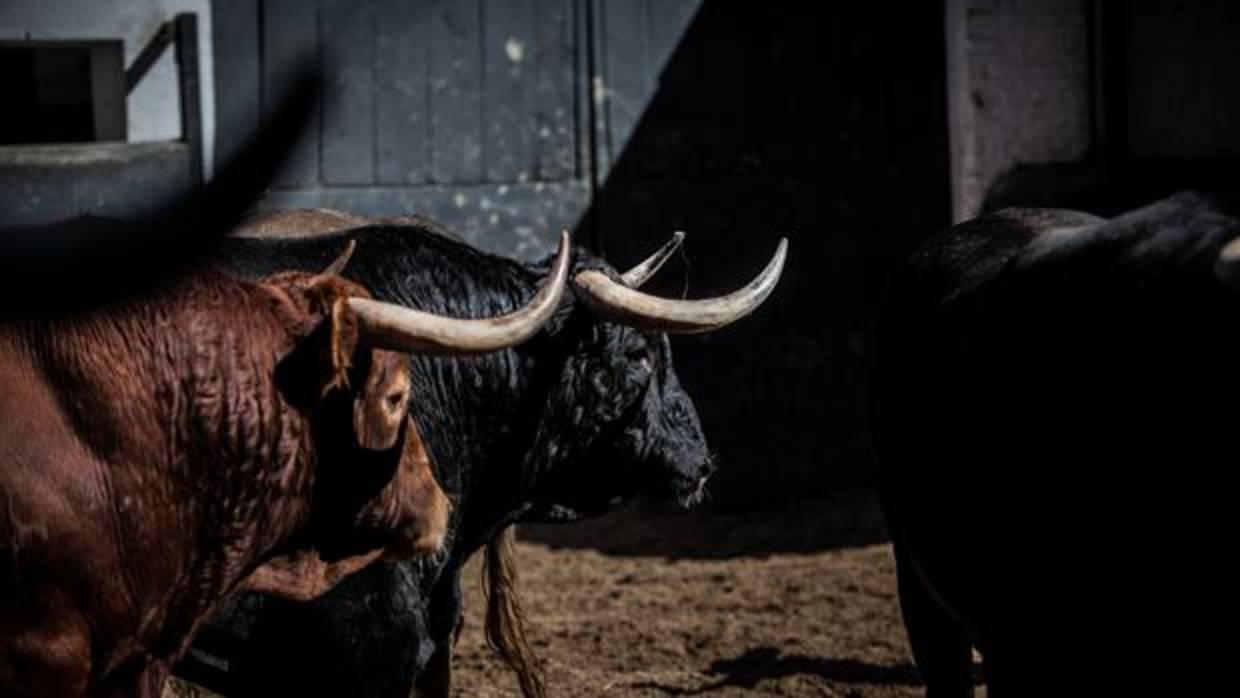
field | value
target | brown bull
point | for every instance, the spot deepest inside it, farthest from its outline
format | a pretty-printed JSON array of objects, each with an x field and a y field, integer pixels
[{"x": 164, "y": 453}]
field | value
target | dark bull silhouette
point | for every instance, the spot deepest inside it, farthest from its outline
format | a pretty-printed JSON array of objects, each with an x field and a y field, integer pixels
[
  {"x": 1055, "y": 416},
  {"x": 572, "y": 423}
]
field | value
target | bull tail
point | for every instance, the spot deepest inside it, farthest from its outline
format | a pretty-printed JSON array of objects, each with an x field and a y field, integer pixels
[{"x": 505, "y": 622}]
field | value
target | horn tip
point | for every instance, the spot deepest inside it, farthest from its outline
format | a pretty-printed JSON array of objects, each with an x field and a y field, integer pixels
[
  {"x": 1230, "y": 251},
  {"x": 1227, "y": 263}
]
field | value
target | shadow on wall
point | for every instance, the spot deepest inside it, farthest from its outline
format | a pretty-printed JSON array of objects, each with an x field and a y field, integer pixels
[{"x": 817, "y": 121}]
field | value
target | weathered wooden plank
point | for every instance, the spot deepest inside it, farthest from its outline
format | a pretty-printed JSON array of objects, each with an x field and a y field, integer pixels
[
  {"x": 668, "y": 20},
  {"x": 238, "y": 101},
  {"x": 624, "y": 80},
  {"x": 186, "y": 31},
  {"x": 509, "y": 55},
  {"x": 402, "y": 107},
  {"x": 348, "y": 131},
  {"x": 553, "y": 99},
  {"x": 290, "y": 33},
  {"x": 456, "y": 86},
  {"x": 46, "y": 183}
]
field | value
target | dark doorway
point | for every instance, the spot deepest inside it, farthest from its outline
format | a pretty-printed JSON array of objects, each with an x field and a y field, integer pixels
[{"x": 62, "y": 92}]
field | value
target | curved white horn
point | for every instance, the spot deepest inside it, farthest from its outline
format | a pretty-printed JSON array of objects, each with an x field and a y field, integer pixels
[
  {"x": 390, "y": 326},
  {"x": 641, "y": 273},
  {"x": 616, "y": 302},
  {"x": 1227, "y": 266}
]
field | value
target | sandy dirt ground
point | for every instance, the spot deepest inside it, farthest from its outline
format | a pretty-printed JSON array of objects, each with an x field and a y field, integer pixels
[
  {"x": 652, "y": 602},
  {"x": 657, "y": 603}
]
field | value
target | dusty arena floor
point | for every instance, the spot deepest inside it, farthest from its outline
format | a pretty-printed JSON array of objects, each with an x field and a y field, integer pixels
[{"x": 661, "y": 603}]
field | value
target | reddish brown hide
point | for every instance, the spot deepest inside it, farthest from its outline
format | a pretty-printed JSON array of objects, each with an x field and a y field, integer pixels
[{"x": 158, "y": 454}]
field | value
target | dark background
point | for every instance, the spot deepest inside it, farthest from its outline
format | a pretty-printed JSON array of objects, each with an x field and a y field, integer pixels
[{"x": 821, "y": 122}]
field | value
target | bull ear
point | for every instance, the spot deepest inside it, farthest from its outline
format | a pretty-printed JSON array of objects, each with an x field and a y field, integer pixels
[
  {"x": 380, "y": 408},
  {"x": 321, "y": 361}
]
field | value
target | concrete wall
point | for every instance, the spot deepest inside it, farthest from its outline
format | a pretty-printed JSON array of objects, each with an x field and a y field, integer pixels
[
  {"x": 1018, "y": 89},
  {"x": 1093, "y": 104},
  {"x": 153, "y": 107}
]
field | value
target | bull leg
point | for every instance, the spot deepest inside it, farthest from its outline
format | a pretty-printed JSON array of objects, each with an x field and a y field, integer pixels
[
  {"x": 941, "y": 649},
  {"x": 435, "y": 681}
]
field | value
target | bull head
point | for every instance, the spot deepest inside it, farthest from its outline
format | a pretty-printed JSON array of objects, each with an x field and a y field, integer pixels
[
  {"x": 347, "y": 371},
  {"x": 619, "y": 419},
  {"x": 351, "y": 331}
]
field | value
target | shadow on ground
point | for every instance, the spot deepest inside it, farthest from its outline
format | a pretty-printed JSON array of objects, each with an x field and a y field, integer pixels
[
  {"x": 841, "y": 520},
  {"x": 761, "y": 663}
]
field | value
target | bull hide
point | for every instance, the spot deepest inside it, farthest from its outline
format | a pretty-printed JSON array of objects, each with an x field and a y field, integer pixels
[
  {"x": 1053, "y": 421},
  {"x": 587, "y": 415},
  {"x": 159, "y": 451}
]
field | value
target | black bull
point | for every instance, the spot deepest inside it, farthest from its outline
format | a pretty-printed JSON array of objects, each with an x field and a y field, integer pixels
[
  {"x": 584, "y": 416},
  {"x": 1055, "y": 399}
]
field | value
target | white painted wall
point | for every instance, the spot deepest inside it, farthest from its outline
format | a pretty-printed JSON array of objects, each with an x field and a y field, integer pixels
[
  {"x": 154, "y": 106},
  {"x": 1017, "y": 90}
]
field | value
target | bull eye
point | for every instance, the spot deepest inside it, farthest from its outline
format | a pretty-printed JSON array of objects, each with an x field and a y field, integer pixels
[{"x": 395, "y": 401}]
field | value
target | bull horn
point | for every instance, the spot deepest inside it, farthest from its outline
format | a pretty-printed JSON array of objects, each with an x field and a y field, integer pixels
[
  {"x": 618, "y": 303},
  {"x": 1227, "y": 266},
  {"x": 389, "y": 326},
  {"x": 640, "y": 274},
  {"x": 341, "y": 261}
]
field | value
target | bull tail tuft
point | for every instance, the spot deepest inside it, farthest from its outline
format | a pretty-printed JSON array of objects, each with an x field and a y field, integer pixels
[{"x": 505, "y": 622}]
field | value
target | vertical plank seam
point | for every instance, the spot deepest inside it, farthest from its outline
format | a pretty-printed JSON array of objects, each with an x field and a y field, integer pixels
[
  {"x": 316, "y": 7},
  {"x": 482, "y": 91},
  {"x": 261, "y": 6},
  {"x": 374, "y": 97}
]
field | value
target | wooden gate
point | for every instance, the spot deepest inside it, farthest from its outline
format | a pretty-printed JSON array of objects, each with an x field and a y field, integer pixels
[{"x": 478, "y": 113}]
